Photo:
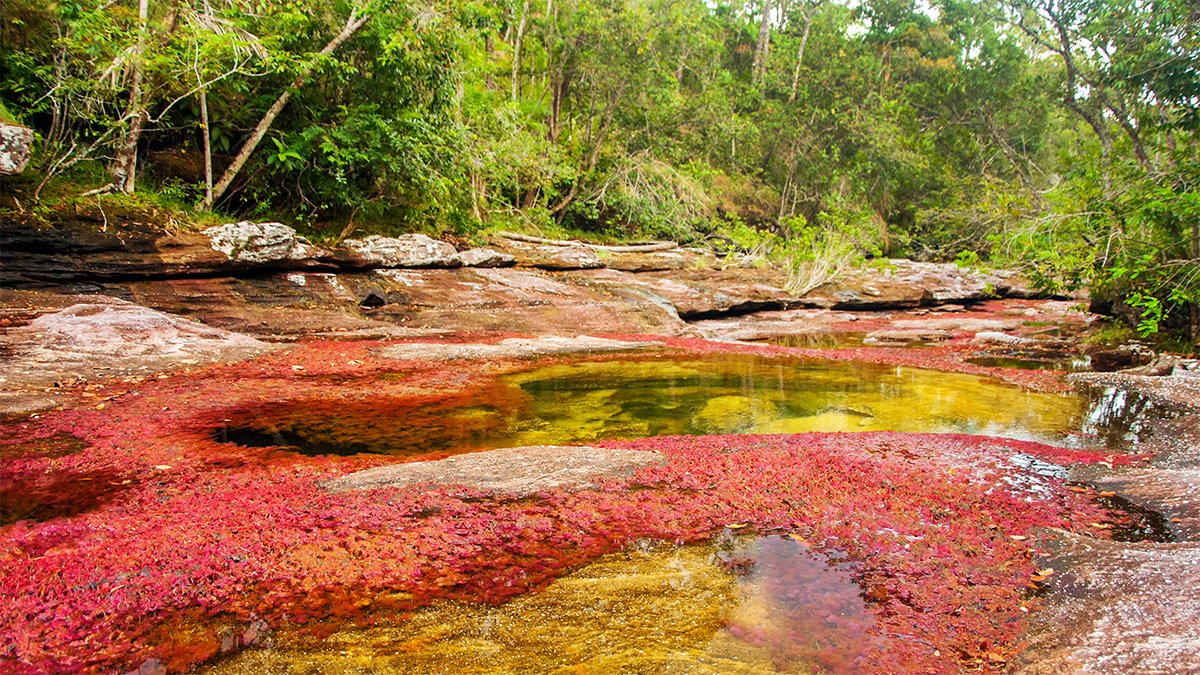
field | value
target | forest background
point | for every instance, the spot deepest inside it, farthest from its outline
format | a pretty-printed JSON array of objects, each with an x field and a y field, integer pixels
[{"x": 1057, "y": 136}]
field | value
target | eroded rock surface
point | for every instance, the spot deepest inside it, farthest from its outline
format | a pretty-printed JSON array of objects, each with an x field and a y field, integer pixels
[
  {"x": 1117, "y": 608},
  {"x": 516, "y": 471},
  {"x": 509, "y": 348},
  {"x": 408, "y": 250},
  {"x": 113, "y": 337}
]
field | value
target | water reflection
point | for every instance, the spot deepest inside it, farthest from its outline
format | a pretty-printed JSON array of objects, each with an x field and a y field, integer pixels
[
  {"x": 637, "y": 398},
  {"x": 1117, "y": 418},
  {"x": 745, "y": 605}
]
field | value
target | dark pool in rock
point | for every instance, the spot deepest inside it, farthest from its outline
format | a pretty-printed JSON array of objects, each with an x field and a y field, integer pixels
[{"x": 639, "y": 397}]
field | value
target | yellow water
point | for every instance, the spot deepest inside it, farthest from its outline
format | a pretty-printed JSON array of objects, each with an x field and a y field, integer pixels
[
  {"x": 669, "y": 609},
  {"x": 651, "y": 609},
  {"x": 586, "y": 402}
]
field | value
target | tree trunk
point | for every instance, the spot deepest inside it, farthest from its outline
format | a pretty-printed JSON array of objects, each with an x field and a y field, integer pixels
[
  {"x": 808, "y": 19},
  {"x": 759, "y": 68},
  {"x": 352, "y": 25},
  {"x": 516, "y": 64},
  {"x": 124, "y": 165},
  {"x": 208, "y": 184}
]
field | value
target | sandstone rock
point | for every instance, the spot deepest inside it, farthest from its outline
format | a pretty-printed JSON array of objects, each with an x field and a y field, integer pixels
[
  {"x": 513, "y": 300},
  {"x": 14, "y": 148},
  {"x": 261, "y": 243},
  {"x": 114, "y": 337},
  {"x": 91, "y": 249},
  {"x": 407, "y": 250},
  {"x": 900, "y": 284},
  {"x": 704, "y": 293},
  {"x": 509, "y": 348},
  {"x": 515, "y": 471},
  {"x": 778, "y": 324},
  {"x": 567, "y": 258},
  {"x": 548, "y": 257},
  {"x": 407, "y": 301},
  {"x": 651, "y": 261},
  {"x": 1115, "y": 607},
  {"x": 486, "y": 257},
  {"x": 906, "y": 335}
]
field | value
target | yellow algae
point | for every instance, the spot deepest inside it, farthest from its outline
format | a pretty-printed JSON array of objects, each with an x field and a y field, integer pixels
[
  {"x": 582, "y": 403},
  {"x": 653, "y": 609}
]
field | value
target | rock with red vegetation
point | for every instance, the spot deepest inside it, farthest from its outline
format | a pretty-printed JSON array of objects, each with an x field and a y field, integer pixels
[{"x": 519, "y": 472}]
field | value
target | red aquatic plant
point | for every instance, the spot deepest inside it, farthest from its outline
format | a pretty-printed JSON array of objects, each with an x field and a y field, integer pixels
[{"x": 209, "y": 544}]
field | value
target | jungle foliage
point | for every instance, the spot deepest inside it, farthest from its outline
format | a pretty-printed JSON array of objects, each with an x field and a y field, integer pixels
[{"x": 1059, "y": 135}]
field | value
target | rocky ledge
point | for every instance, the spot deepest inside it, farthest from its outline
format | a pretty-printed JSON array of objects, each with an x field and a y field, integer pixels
[{"x": 264, "y": 279}]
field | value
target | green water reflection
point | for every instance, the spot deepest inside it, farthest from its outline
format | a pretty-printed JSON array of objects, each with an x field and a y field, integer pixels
[
  {"x": 585, "y": 402},
  {"x": 642, "y": 397}
]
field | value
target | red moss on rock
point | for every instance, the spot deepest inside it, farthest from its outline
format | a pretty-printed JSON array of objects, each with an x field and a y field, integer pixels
[{"x": 205, "y": 535}]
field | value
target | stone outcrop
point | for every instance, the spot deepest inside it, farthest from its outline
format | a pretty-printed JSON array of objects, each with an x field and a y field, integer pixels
[
  {"x": 417, "y": 251},
  {"x": 113, "y": 337},
  {"x": 14, "y": 148},
  {"x": 486, "y": 257},
  {"x": 261, "y": 244},
  {"x": 513, "y": 471}
]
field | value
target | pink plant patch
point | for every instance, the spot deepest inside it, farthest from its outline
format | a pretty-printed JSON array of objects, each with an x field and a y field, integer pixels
[{"x": 193, "y": 547}]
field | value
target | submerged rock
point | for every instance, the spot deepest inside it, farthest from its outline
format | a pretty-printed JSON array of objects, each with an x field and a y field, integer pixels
[{"x": 519, "y": 471}]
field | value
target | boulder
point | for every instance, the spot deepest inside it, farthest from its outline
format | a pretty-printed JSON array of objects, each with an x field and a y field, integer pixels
[
  {"x": 14, "y": 148},
  {"x": 261, "y": 243},
  {"x": 486, "y": 257},
  {"x": 406, "y": 251}
]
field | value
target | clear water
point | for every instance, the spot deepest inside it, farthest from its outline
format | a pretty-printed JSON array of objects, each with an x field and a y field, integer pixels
[
  {"x": 635, "y": 398},
  {"x": 734, "y": 606}
]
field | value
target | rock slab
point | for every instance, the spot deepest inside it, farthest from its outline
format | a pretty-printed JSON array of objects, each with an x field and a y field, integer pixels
[{"x": 519, "y": 471}]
